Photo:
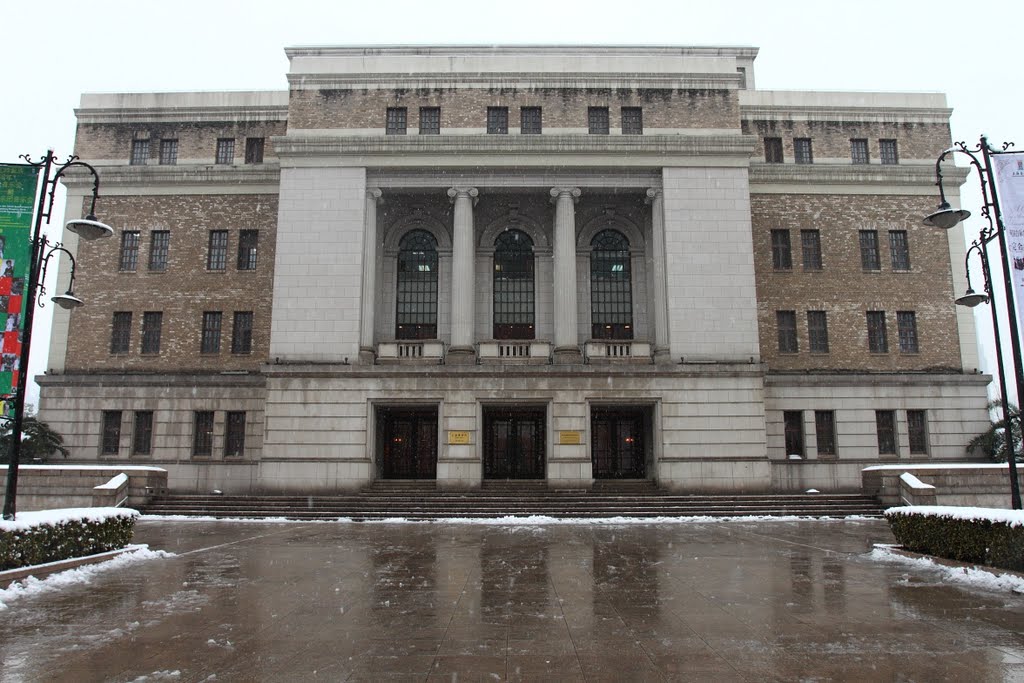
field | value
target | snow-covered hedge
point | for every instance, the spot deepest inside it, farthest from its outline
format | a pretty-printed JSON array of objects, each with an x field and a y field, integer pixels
[
  {"x": 52, "y": 535},
  {"x": 982, "y": 535}
]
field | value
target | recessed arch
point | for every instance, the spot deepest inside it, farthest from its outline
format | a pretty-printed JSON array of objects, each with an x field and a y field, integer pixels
[
  {"x": 417, "y": 220},
  {"x": 513, "y": 287},
  {"x": 417, "y": 286},
  {"x": 611, "y": 286}
]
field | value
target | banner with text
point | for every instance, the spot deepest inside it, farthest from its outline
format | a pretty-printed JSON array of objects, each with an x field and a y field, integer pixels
[{"x": 17, "y": 199}]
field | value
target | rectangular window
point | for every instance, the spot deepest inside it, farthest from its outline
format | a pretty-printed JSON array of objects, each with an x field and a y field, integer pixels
[
  {"x": 917, "y": 430},
  {"x": 530, "y": 121},
  {"x": 254, "y": 150},
  {"x": 168, "y": 152},
  {"x": 793, "y": 425},
  {"x": 217, "y": 251},
  {"x": 906, "y": 323},
  {"x": 887, "y": 152},
  {"x": 743, "y": 77},
  {"x": 152, "y": 321},
  {"x": 817, "y": 331},
  {"x": 142, "y": 439},
  {"x": 899, "y": 249},
  {"x": 129, "y": 251},
  {"x": 110, "y": 442},
  {"x": 786, "y": 321},
  {"x": 121, "y": 332},
  {"x": 248, "y": 241},
  {"x": 395, "y": 121},
  {"x": 825, "y": 431},
  {"x": 159, "y": 243},
  {"x": 234, "y": 441},
  {"x": 140, "y": 153},
  {"x": 773, "y": 150},
  {"x": 241, "y": 333},
  {"x": 632, "y": 121},
  {"x": 885, "y": 425},
  {"x": 430, "y": 120},
  {"x": 597, "y": 120},
  {"x": 802, "y": 153},
  {"x": 210, "y": 341},
  {"x": 859, "y": 150},
  {"x": 810, "y": 246},
  {"x": 202, "y": 432},
  {"x": 497, "y": 120},
  {"x": 225, "y": 151},
  {"x": 869, "y": 250},
  {"x": 878, "y": 341},
  {"x": 782, "y": 255}
]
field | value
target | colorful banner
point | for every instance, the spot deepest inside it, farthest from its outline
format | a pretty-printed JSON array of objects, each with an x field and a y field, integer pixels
[{"x": 17, "y": 200}]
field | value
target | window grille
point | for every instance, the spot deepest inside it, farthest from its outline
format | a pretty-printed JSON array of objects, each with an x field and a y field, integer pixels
[
  {"x": 416, "y": 314},
  {"x": 202, "y": 433},
  {"x": 825, "y": 431},
  {"x": 899, "y": 249},
  {"x": 248, "y": 242},
  {"x": 802, "y": 153},
  {"x": 611, "y": 286},
  {"x": 254, "y": 150},
  {"x": 241, "y": 332},
  {"x": 773, "y": 150},
  {"x": 888, "y": 153},
  {"x": 225, "y": 151},
  {"x": 430, "y": 120},
  {"x": 497, "y": 120},
  {"x": 513, "y": 286},
  {"x": 859, "y": 151},
  {"x": 111, "y": 441},
  {"x": 159, "y": 244},
  {"x": 810, "y": 245},
  {"x": 129, "y": 251},
  {"x": 878, "y": 341},
  {"x": 917, "y": 431},
  {"x": 210, "y": 341},
  {"x": 869, "y": 259},
  {"x": 168, "y": 152},
  {"x": 395, "y": 121},
  {"x": 817, "y": 331},
  {"x": 906, "y": 323},
  {"x": 152, "y": 321},
  {"x": 597, "y": 120},
  {"x": 140, "y": 153},
  {"x": 142, "y": 439},
  {"x": 786, "y": 321},
  {"x": 121, "y": 332},
  {"x": 234, "y": 441},
  {"x": 885, "y": 426},
  {"x": 530, "y": 120},
  {"x": 793, "y": 426},
  {"x": 632, "y": 121},
  {"x": 782, "y": 256},
  {"x": 217, "y": 252}
]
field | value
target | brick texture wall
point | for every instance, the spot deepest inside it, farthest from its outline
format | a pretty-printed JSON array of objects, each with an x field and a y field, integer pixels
[
  {"x": 197, "y": 141},
  {"x": 831, "y": 140}
]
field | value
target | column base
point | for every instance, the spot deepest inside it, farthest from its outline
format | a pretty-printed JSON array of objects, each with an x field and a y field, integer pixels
[
  {"x": 367, "y": 355},
  {"x": 567, "y": 355},
  {"x": 662, "y": 356},
  {"x": 460, "y": 355}
]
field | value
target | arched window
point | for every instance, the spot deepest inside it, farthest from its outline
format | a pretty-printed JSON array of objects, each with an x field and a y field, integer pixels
[
  {"x": 611, "y": 289},
  {"x": 513, "y": 286},
  {"x": 416, "y": 315}
]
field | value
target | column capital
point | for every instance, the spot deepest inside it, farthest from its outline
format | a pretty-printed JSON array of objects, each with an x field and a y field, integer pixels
[
  {"x": 374, "y": 194},
  {"x": 468, "y": 192},
  {"x": 572, "y": 192},
  {"x": 653, "y": 195}
]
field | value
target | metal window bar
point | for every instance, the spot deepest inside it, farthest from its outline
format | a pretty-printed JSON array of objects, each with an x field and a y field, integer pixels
[
  {"x": 899, "y": 249},
  {"x": 168, "y": 152},
  {"x": 802, "y": 151},
  {"x": 611, "y": 286},
  {"x": 632, "y": 121},
  {"x": 597, "y": 120},
  {"x": 111, "y": 442},
  {"x": 825, "y": 431},
  {"x": 810, "y": 246},
  {"x": 159, "y": 247},
  {"x": 773, "y": 150},
  {"x": 234, "y": 440},
  {"x": 202, "y": 433},
  {"x": 906, "y": 323},
  {"x": 121, "y": 331},
  {"x": 152, "y": 321},
  {"x": 217, "y": 252},
  {"x": 225, "y": 151},
  {"x": 210, "y": 341},
  {"x": 859, "y": 151},
  {"x": 497, "y": 120},
  {"x": 142, "y": 439},
  {"x": 885, "y": 426},
  {"x": 416, "y": 296},
  {"x": 254, "y": 150},
  {"x": 782, "y": 254},
  {"x": 513, "y": 286},
  {"x": 248, "y": 244},
  {"x": 241, "y": 332},
  {"x": 793, "y": 427},
  {"x": 530, "y": 121},
  {"x": 917, "y": 431},
  {"x": 817, "y": 331},
  {"x": 786, "y": 322},
  {"x": 129, "y": 251},
  {"x": 869, "y": 259},
  {"x": 140, "y": 153},
  {"x": 395, "y": 121},
  {"x": 878, "y": 341},
  {"x": 888, "y": 153},
  {"x": 430, "y": 120}
]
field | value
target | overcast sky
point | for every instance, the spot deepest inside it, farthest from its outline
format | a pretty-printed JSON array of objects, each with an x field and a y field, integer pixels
[{"x": 54, "y": 51}]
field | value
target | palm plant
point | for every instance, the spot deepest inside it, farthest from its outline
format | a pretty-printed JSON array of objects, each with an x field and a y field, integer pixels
[{"x": 992, "y": 442}]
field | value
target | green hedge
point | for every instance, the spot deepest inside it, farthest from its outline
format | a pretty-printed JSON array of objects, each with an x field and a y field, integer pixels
[
  {"x": 62, "y": 540},
  {"x": 981, "y": 541}
]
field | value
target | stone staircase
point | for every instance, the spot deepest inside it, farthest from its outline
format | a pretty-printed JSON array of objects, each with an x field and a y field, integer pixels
[{"x": 421, "y": 500}]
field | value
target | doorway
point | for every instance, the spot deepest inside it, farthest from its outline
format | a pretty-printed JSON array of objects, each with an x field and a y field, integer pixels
[
  {"x": 618, "y": 445},
  {"x": 514, "y": 443},
  {"x": 407, "y": 443}
]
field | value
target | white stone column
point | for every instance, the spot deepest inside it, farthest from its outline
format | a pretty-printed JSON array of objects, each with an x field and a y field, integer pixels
[
  {"x": 367, "y": 349},
  {"x": 463, "y": 281},
  {"x": 567, "y": 347},
  {"x": 659, "y": 303}
]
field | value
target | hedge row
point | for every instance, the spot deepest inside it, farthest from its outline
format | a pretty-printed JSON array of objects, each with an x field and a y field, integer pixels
[
  {"x": 61, "y": 540},
  {"x": 980, "y": 541}
]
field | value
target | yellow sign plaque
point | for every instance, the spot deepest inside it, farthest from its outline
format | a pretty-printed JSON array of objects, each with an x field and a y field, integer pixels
[
  {"x": 458, "y": 438},
  {"x": 570, "y": 438}
]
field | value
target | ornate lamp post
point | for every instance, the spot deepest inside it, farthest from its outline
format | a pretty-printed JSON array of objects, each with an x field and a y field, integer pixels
[
  {"x": 88, "y": 228},
  {"x": 946, "y": 217}
]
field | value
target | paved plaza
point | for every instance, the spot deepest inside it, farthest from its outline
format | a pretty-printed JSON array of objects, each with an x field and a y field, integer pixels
[{"x": 743, "y": 601}]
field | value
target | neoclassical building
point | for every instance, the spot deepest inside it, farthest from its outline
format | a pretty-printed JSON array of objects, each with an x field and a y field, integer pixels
[{"x": 556, "y": 263}]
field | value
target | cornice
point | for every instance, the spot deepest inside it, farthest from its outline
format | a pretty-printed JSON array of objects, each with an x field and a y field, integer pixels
[
  {"x": 114, "y": 176},
  {"x": 257, "y": 113},
  {"x": 762, "y": 173},
  {"x": 458, "y": 50},
  {"x": 842, "y": 114},
  {"x": 518, "y": 81},
  {"x": 855, "y": 379}
]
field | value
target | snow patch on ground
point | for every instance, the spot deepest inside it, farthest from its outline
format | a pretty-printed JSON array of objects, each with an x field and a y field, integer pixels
[
  {"x": 532, "y": 520},
  {"x": 971, "y": 576},
  {"x": 1009, "y": 517},
  {"x": 30, "y": 586},
  {"x": 27, "y": 520}
]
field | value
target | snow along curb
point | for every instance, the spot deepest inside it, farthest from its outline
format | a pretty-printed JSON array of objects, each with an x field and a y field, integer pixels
[
  {"x": 993, "y": 578},
  {"x": 41, "y": 570}
]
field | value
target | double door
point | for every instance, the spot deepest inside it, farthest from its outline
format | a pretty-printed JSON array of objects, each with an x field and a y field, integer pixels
[
  {"x": 407, "y": 443},
  {"x": 514, "y": 442},
  {"x": 618, "y": 450}
]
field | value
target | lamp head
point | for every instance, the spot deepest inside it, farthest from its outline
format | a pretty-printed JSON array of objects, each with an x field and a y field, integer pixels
[
  {"x": 89, "y": 228},
  {"x": 67, "y": 301},
  {"x": 971, "y": 299},
  {"x": 946, "y": 216}
]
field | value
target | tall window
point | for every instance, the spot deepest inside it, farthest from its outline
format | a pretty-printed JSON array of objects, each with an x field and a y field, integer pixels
[
  {"x": 906, "y": 323},
  {"x": 241, "y": 332},
  {"x": 773, "y": 150},
  {"x": 110, "y": 443},
  {"x": 513, "y": 286},
  {"x": 254, "y": 150},
  {"x": 810, "y": 246},
  {"x": 395, "y": 121},
  {"x": 786, "y": 323},
  {"x": 859, "y": 150},
  {"x": 825, "y": 431},
  {"x": 416, "y": 315},
  {"x": 140, "y": 153},
  {"x": 917, "y": 430},
  {"x": 793, "y": 426},
  {"x": 142, "y": 438},
  {"x": 878, "y": 341},
  {"x": 225, "y": 151},
  {"x": 430, "y": 120},
  {"x": 121, "y": 332},
  {"x": 885, "y": 426},
  {"x": 210, "y": 341},
  {"x": 217, "y": 250},
  {"x": 497, "y": 120},
  {"x": 899, "y": 249},
  {"x": 887, "y": 152},
  {"x": 152, "y": 321},
  {"x": 782, "y": 253},
  {"x": 611, "y": 287},
  {"x": 248, "y": 241},
  {"x": 234, "y": 439},
  {"x": 159, "y": 243},
  {"x": 168, "y": 152},
  {"x": 817, "y": 331},
  {"x": 129, "y": 250},
  {"x": 202, "y": 433},
  {"x": 632, "y": 121},
  {"x": 802, "y": 153},
  {"x": 869, "y": 250},
  {"x": 530, "y": 122},
  {"x": 597, "y": 120}
]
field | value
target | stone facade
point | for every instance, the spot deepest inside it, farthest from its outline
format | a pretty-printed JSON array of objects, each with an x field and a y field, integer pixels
[{"x": 395, "y": 335}]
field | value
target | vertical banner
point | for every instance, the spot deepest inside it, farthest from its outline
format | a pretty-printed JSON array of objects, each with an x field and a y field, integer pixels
[
  {"x": 17, "y": 200},
  {"x": 1009, "y": 172}
]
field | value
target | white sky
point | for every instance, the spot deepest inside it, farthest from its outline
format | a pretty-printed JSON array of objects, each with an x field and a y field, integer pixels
[{"x": 54, "y": 51}]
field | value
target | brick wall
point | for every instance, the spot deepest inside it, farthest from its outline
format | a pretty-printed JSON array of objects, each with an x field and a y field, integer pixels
[
  {"x": 196, "y": 141},
  {"x": 831, "y": 140}
]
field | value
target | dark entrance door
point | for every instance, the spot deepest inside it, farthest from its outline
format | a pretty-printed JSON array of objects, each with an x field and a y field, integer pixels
[
  {"x": 407, "y": 443},
  {"x": 514, "y": 443},
  {"x": 618, "y": 443}
]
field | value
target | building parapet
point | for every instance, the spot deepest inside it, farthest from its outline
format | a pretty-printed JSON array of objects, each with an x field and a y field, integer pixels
[{"x": 183, "y": 107}]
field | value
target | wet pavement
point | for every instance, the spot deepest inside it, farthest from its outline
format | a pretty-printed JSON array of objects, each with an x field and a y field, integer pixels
[{"x": 743, "y": 601}]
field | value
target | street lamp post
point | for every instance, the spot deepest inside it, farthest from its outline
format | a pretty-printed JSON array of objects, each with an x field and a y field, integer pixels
[
  {"x": 88, "y": 228},
  {"x": 946, "y": 217}
]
